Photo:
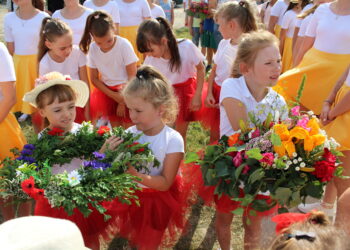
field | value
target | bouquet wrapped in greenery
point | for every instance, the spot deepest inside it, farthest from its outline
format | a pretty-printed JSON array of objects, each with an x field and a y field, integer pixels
[
  {"x": 101, "y": 177},
  {"x": 198, "y": 9}
]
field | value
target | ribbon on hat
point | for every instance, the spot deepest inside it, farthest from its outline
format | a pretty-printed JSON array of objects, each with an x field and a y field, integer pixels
[{"x": 283, "y": 221}]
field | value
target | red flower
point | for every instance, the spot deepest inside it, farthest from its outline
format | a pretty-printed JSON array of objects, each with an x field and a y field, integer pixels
[
  {"x": 56, "y": 132},
  {"x": 245, "y": 169},
  {"x": 28, "y": 185},
  {"x": 102, "y": 130},
  {"x": 38, "y": 194},
  {"x": 324, "y": 170},
  {"x": 140, "y": 150},
  {"x": 256, "y": 133},
  {"x": 268, "y": 158},
  {"x": 328, "y": 156},
  {"x": 238, "y": 159}
]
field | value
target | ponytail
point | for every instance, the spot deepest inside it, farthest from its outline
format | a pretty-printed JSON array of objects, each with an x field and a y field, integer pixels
[
  {"x": 97, "y": 24},
  {"x": 308, "y": 12},
  {"x": 152, "y": 31},
  {"x": 51, "y": 28}
]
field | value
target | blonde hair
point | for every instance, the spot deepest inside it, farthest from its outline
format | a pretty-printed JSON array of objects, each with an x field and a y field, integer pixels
[
  {"x": 243, "y": 11},
  {"x": 316, "y": 233},
  {"x": 249, "y": 47},
  {"x": 151, "y": 86}
]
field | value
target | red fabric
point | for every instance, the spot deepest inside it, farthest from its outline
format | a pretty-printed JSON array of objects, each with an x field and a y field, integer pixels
[
  {"x": 80, "y": 116},
  {"x": 210, "y": 117},
  {"x": 185, "y": 92},
  {"x": 102, "y": 105},
  {"x": 283, "y": 221},
  {"x": 160, "y": 214}
]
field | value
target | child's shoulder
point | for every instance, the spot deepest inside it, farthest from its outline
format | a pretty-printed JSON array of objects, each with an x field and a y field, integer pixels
[{"x": 234, "y": 85}]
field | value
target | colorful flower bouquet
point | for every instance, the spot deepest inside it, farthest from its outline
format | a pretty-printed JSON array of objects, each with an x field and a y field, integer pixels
[
  {"x": 99, "y": 177},
  {"x": 198, "y": 9},
  {"x": 288, "y": 160}
]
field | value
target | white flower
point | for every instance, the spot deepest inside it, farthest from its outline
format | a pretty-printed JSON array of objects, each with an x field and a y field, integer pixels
[
  {"x": 300, "y": 159},
  {"x": 250, "y": 134},
  {"x": 277, "y": 116},
  {"x": 327, "y": 144},
  {"x": 297, "y": 169},
  {"x": 295, "y": 161},
  {"x": 302, "y": 164},
  {"x": 333, "y": 143},
  {"x": 286, "y": 168},
  {"x": 323, "y": 132},
  {"x": 289, "y": 163},
  {"x": 74, "y": 178},
  {"x": 274, "y": 165},
  {"x": 294, "y": 154},
  {"x": 310, "y": 113}
]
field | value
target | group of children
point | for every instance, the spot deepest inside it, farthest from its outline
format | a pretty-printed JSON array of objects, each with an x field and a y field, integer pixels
[{"x": 102, "y": 51}]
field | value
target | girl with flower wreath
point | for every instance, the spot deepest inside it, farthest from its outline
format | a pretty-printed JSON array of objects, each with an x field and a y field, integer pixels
[{"x": 56, "y": 98}]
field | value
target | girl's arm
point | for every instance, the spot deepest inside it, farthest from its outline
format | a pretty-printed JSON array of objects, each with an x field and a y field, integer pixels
[
  {"x": 172, "y": 14},
  {"x": 210, "y": 100},
  {"x": 308, "y": 42},
  {"x": 8, "y": 92},
  {"x": 164, "y": 181},
  {"x": 296, "y": 50},
  {"x": 84, "y": 77},
  {"x": 11, "y": 47},
  {"x": 272, "y": 23},
  {"x": 295, "y": 37},
  {"x": 282, "y": 39},
  {"x": 196, "y": 102},
  {"x": 101, "y": 86},
  {"x": 116, "y": 28},
  {"x": 235, "y": 111},
  {"x": 131, "y": 70}
]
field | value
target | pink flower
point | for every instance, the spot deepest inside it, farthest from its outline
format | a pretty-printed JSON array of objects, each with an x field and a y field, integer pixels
[
  {"x": 268, "y": 158},
  {"x": 303, "y": 122},
  {"x": 256, "y": 133},
  {"x": 295, "y": 111},
  {"x": 238, "y": 159},
  {"x": 245, "y": 169}
]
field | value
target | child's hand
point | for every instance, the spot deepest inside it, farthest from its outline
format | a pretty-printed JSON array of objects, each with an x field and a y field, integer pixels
[
  {"x": 210, "y": 101},
  {"x": 121, "y": 110},
  {"x": 324, "y": 117},
  {"x": 131, "y": 170},
  {"x": 111, "y": 143},
  {"x": 196, "y": 102}
]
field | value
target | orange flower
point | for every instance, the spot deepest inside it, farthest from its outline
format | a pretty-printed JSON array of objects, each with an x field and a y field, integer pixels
[{"x": 233, "y": 139}]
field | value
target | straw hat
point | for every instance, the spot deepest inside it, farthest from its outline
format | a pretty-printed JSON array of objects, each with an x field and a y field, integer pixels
[
  {"x": 80, "y": 88},
  {"x": 40, "y": 233}
]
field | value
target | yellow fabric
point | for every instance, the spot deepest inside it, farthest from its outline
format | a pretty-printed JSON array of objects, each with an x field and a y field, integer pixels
[
  {"x": 277, "y": 30},
  {"x": 287, "y": 54},
  {"x": 322, "y": 71},
  {"x": 339, "y": 129},
  {"x": 11, "y": 136},
  {"x": 26, "y": 73},
  {"x": 130, "y": 33}
]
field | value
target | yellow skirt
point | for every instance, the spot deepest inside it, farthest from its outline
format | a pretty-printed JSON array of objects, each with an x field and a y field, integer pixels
[
  {"x": 277, "y": 30},
  {"x": 339, "y": 129},
  {"x": 130, "y": 33},
  {"x": 322, "y": 71},
  {"x": 287, "y": 60},
  {"x": 26, "y": 73},
  {"x": 11, "y": 136}
]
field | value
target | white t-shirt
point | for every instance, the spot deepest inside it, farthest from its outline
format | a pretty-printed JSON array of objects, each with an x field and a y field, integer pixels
[
  {"x": 278, "y": 9},
  {"x": 111, "y": 65},
  {"x": 236, "y": 88},
  {"x": 23, "y": 33},
  {"x": 77, "y": 25},
  {"x": 70, "y": 66},
  {"x": 110, "y": 7},
  {"x": 166, "y": 142},
  {"x": 267, "y": 12},
  {"x": 331, "y": 32},
  {"x": 306, "y": 8},
  {"x": 133, "y": 14},
  {"x": 224, "y": 58},
  {"x": 304, "y": 24},
  {"x": 157, "y": 11},
  {"x": 7, "y": 70},
  {"x": 190, "y": 57},
  {"x": 288, "y": 22}
]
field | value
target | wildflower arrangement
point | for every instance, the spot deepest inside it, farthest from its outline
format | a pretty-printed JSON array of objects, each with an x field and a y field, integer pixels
[
  {"x": 198, "y": 9},
  {"x": 287, "y": 159},
  {"x": 100, "y": 176}
]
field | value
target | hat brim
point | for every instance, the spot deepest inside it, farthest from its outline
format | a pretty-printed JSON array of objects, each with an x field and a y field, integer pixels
[{"x": 79, "y": 87}]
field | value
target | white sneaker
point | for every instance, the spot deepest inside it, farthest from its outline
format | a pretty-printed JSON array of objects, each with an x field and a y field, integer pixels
[
  {"x": 306, "y": 208},
  {"x": 23, "y": 117}
]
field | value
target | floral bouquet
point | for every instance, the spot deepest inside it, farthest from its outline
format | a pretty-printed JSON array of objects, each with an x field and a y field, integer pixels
[
  {"x": 288, "y": 160},
  {"x": 198, "y": 9},
  {"x": 100, "y": 177}
]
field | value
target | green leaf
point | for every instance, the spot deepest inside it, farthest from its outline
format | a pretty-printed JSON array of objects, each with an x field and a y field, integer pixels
[
  {"x": 254, "y": 153},
  {"x": 283, "y": 210},
  {"x": 238, "y": 211},
  {"x": 231, "y": 149},
  {"x": 282, "y": 195},
  {"x": 256, "y": 175},
  {"x": 239, "y": 171},
  {"x": 252, "y": 212},
  {"x": 275, "y": 139},
  {"x": 191, "y": 157},
  {"x": 221, "y": 169}
]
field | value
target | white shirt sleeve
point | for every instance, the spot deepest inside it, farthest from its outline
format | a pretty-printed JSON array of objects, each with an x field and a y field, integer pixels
[
  {"x": 146, "y": 11},
  {"x": 276, "y": 9},
  {"x": 312, "y": 27},
  {"x": 7, "y": 28},
  {"x": 7, "y": 70},
  {"x": 287, "y": 19},
  {"x": 128, "y": 53},
  {"x": 175, "y": 143},
  {"x": 115, "y": 13},
  {"x": 44, "y": 66},
  {"x": 231, "y": 89},
  {"x": 195, "y": 54},
  {"x": 90, "y": 57},
  {"x": 82, "y": 59}
]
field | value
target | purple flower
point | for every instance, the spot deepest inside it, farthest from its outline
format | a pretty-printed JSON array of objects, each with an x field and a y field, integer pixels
[
  {"x": 26, "y": 152},
  {"x": 97, "y": 164},
  {"x": 99, "y": 155},
  {"x": 29, "y": 146},
  {"x": 27, "y": 159}
]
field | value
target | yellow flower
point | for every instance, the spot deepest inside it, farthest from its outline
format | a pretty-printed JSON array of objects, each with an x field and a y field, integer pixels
[{"x": 314, "y": 126}]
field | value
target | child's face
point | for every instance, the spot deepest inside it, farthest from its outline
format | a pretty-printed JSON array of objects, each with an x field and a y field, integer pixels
[
  {"x": 106, "y": 42},
  {"x": 266, "y": 68},
  {"x": 60, "y": 115},
  {"x": 61, "y": 47},
  {"x": 143, "y": 114},
  {"x": 157, "y": 50},
  {"x": 229, "y": 29}
]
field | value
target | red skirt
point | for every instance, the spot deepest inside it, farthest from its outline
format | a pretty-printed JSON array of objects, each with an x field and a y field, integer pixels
[
  {"x": 185, "y": 92},
  {"x": 91, "y": 227},
  {"x": 103, "y": 105},
  {"x": 158, "y": 220}
]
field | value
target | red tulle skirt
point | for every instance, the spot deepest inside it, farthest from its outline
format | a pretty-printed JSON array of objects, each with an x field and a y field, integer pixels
[
  {"x": 102, "y": 105},
  {"x": 210, "y": 117},
  {"x": 158, "y": 220},
  {"x": 185, "y": 92},
  {"x": 91, "y": 227}
]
